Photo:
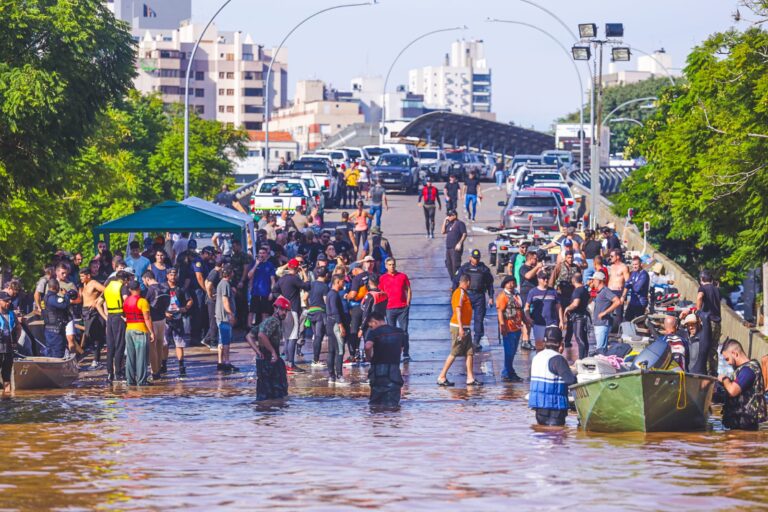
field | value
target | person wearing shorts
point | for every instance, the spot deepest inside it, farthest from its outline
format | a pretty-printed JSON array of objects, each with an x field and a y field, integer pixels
[
  {"x": 177, "y": 321},
  {"x": 542, "y": 309},
  {"x": 461, "y": 336}
]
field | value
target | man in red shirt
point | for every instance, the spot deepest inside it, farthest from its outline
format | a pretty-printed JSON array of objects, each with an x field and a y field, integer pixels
[{"x": 398, "y": 288}]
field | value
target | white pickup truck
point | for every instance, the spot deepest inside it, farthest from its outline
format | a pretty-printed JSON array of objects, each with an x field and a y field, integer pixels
[{"x": 273, "y": 195}]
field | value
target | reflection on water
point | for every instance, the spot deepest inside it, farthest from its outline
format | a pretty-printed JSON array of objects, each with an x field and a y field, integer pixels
[{"x": 220, "y": 448}]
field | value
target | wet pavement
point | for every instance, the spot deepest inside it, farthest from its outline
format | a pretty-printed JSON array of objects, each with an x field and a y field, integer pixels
[{"x": 205, "y": 443}]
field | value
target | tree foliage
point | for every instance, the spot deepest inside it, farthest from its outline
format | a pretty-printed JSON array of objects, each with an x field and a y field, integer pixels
[
  {"x": 706, "y": 181},
  {"x": 615, "y": 96}
]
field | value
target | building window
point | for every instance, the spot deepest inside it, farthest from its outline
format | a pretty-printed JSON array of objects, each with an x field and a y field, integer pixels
[
  {"x": 230, "y": 75},
  {"x": 221, "y": 75},
  {"x": 253, "y": 109},
  {"x": 221, "y": 92},
  {"x": 221, "y": 108},
  {"x": 199, "y": 75},
  {"x": 169, "y": 54},
  {"x": 254, "y": 152},
  {"x": 247, "y": 56},
  {"x": 171, "y": 89},
  {"x": 230, "y": 109},
  {"x": 253, "y": 91},
  {"x": 230, "y": 56},
  {"x": 251, "y": 125},
  {"x": 169, "y": 73},
  {"x": 230, "y": 92},
  {"x": 199, "y": 93},
  {"x": 251, "y": 75},
  {"x": 200, "y": 109}
]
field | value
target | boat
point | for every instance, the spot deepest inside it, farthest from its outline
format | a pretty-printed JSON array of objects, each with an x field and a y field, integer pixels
[
  {"x": 645, "y": 401},
  {"x": 44, "y": 372}
]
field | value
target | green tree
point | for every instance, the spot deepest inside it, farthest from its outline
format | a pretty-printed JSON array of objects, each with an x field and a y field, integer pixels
[
  {"x": 61, "y": 63},
  {"x": 705, "y": 184},
  {"x": 615, "y": 96}
]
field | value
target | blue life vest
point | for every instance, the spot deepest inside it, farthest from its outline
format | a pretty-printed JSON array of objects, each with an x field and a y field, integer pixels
[{"x": 548, "y": 391}]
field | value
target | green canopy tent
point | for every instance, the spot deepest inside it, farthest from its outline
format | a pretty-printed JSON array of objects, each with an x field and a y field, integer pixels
[{"x": 170, "y": 216}]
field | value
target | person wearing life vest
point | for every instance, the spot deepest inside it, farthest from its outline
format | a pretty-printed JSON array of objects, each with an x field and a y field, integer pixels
[
  {"x": 56, "y": 315},
  {"x": 375, "y": 301},
  {"x": 358, "y": 288},
  {"x": 115, "y": 293},
  {"x": 550, "y": 378},
  {"x": 745, "y": 404},
  {"x": 138, "y": 335},
  {"x": 429, "y": 198},
  {"x": 10, "y": 330}
]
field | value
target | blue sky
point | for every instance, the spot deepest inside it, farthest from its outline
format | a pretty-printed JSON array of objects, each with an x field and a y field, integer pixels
[{"x": 533, "y": 82}]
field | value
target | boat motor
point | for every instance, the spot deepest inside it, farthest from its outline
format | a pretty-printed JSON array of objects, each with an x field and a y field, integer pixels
[{"x": 656, "y": 356}]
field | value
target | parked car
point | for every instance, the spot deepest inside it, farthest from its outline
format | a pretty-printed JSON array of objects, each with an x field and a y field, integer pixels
[
  {"x": 527, "y": 176},
  {"x": 487, "y": 165},
  {"x": 398, "y": 172},
  {"x": 434, "y": 162},
  {"x": 357, "y": 154},
  {"x": 462, "y": 162},
  {"x": 560, "y": 200},
  {"x": 571, "y": 200},
  {"x": 275, "y": 194},
  {"x": 526, "y": 209}
]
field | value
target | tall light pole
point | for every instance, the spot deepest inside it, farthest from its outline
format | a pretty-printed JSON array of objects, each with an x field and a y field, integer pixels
[
  {"x": 628, "y": 102},
  {"x": 578, "y": 76},
  {"x": 186, "y": 98},
  {"x": 583, "y": 51},
  {"x": 273, "y": 57},
  {"x": 386, "y": 79},
  {"x": 626, "y": 120}
]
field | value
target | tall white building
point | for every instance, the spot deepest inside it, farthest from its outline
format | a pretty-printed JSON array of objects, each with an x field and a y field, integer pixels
[
  {"x": 227, "y": 78},
  {"x": 155, "y": 15},
  {"x": 658, "y": 64},
  {"x": 462, "y": 84}
]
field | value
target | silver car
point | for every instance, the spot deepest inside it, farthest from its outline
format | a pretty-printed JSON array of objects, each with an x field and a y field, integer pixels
[{"x": 526, "y": 209}]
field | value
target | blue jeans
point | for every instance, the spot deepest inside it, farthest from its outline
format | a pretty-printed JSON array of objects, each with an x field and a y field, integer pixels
[
  {"x": 225, "y": 333},
  {"x": 376, "y": 212},
  {"x": 471, "y": 200},
  {"x": 499, "y": 178},
  {"x": 601, "y": 336},
  {"x": 510, "y": 342}
]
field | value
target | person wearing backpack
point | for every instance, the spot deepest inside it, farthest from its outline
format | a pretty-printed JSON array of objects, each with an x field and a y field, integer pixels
[{"x": 159, "y": 298}]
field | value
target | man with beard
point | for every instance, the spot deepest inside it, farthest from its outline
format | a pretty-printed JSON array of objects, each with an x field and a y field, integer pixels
[{"x": 264, "y": 339}]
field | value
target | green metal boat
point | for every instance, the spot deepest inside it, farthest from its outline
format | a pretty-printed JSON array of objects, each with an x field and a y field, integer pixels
[{"x": 645, "y": 401}]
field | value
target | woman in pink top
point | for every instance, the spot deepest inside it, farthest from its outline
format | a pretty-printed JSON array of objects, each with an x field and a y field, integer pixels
[{"x": 360, "y": 218}]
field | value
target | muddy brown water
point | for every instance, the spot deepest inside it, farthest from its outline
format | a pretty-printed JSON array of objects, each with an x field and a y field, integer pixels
[{"x": 205, "y": 443}]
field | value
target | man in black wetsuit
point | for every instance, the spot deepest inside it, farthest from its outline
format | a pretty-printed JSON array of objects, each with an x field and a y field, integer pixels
[{"x": 383, "y": 349}]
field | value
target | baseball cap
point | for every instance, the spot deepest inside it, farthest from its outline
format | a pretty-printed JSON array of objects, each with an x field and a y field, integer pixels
[
  {"x": 367, "y": 259},
  {"x": 129, "y": 270},
  {"x": 553, "y": 333},
  {"x": 322, "y": 257},
  {"x": 475, "y": 254},
  {"x": 375, "y": 230},
  {"x": 5, "y": 296},
  {"x": 451, "y": 213},
  {"x": 689, "y": 319},
  {"x": 282, "y": 303},
  {"x": 568, "y": 242},
  {"x": 599, "y": 276},
  {"x": 293, "y": 263}
]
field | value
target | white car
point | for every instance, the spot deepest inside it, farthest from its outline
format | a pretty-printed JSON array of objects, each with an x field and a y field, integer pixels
[
  {"x": 434, "y": 162},
  {"x": 357, "y": 154},
  {"x": 274, "y": 195},
  {"x": 339, "y": 156}
]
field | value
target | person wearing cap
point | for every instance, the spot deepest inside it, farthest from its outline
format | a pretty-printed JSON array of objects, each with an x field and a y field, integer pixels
[
  {"x": 10, "y": 330},
  {"x": 451, "y": 190},
  {"x": 224, "y": 312},
  {"x": 115, "y": 293},
  {"x": 378, "y": 247},
  {"x": 519, "y": 260},
  {"x": 606, "y": 302},
  {"x": 264, "y": 339},
  {"x": 377, "y": 195},
  {"x": 455, "y": 232},
  {"x": 550, "y": 378},
  {"x": 138, "y": 335},
  {"x": 542, "y": 309},
  {"x": 290, "y": 286},
  {"x": 510, "y": 313},
  {"x": 692, "y": 328},
  {"x": 429, "y": 199},
  {"x": 480, "y": 283},
  {"x": 636, "y": 287},
  {"x": 461, "y": 337}
]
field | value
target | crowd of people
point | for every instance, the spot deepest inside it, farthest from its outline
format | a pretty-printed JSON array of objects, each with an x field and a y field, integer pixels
[{"x": 342, "y": 287}]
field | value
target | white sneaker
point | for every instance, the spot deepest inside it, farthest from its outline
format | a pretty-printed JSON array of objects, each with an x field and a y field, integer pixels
[
  {"x": 317, "y": 364},
  {"x": 341, "y": 381}
]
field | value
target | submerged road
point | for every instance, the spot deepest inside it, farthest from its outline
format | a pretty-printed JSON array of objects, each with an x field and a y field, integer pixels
[{"x": 205, "y": 444}]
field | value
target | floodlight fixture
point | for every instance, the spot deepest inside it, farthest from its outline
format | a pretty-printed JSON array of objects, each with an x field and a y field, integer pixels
[
  {"x": 614, "y": 30},
  {"x": 587, "y": 30},
  {"x": 620, "y": 54},
  {"x": 581, "y": 52}
]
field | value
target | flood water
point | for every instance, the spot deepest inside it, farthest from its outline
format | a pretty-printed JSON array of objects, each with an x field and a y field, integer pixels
[{"x": 206, "y": 444}]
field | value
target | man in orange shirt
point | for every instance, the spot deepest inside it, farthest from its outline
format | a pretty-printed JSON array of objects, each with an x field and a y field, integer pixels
[
  {"x": 461, "y": 337},
  {"x": 510, "y": 310},
  {"x": 138, "y": 333}
]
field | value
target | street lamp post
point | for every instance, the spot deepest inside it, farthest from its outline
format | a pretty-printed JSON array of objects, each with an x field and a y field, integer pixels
[
  {"x": 628, "y": 102},
  {"x": 578, "y": 76},
  {"x": 582, "y": 51},
  {"x": 186, "y": 98},
  {"x": 386, "y": 79},
  {"x": 626, "y": 120},
  {"x": 273, "y": 57}
]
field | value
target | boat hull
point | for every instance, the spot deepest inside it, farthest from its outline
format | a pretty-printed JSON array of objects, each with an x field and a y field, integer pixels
[
  {"x": 44, "y": 372},
  {"x": 645, "y": 401}
]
